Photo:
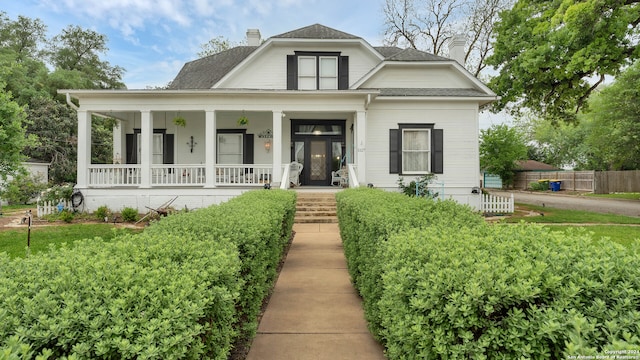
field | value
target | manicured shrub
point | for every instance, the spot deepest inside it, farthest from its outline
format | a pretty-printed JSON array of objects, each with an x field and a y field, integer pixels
[
  {"x": 259, "y": 223},
  {"x": 184, "y": 288},
  {"x": 368, "y": 217},
  {"x": 439, "y": 288},
  {"x": 129, "y": 214}
]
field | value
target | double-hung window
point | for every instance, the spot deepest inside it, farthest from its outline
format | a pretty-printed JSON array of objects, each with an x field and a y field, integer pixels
[
  {"x": 416, "y": 149},
  {"x": 317, "y": 71}
]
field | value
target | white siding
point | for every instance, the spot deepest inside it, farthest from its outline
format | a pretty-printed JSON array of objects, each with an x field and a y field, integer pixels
[
  {"x": 268, "y": 70},
  {"x": 459, "y": 122}
]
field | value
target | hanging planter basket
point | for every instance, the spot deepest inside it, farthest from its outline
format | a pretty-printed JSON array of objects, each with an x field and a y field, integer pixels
[
  {"x": 180, "y": 121},
  {"x": 242, "y": 120}
]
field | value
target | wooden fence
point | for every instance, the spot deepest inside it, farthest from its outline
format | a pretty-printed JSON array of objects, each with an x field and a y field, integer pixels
[
  {"x": 571, "y": 180},
  {"x": 599, "y": 182},
  {"x": 617, "y": 181}
]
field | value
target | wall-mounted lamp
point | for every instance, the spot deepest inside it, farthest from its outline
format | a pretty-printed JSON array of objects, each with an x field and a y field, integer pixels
[
  {"x": 267, "y": 145},
  {"x": 191, "y": 144}
]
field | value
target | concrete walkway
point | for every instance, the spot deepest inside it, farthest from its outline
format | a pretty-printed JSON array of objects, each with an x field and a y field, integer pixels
[{"x": 314, "y": 312}]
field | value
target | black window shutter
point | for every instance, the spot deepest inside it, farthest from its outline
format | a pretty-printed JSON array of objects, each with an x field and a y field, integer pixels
[
  {"x": 394, "y": 151},
  {"x": 292, "y": 72},
  {"x": 168, "y": 149},
  {"x": 343, "y": 73},
  {"x": 247, "y": 149},
  {"x": 132, "y": 148},
  {"x": 437, "y": 158}
]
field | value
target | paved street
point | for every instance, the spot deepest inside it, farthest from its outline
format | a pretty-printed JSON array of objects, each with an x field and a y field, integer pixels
[{"x": 571, "y": 202}]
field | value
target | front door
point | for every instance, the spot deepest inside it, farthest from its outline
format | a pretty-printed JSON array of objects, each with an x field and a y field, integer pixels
[{"x": 319, "y": 147}]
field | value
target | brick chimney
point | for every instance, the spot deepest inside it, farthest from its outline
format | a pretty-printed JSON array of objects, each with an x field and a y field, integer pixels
[
  {"x": 253, "y": 37},
  {"x": 456, "y": 48}
]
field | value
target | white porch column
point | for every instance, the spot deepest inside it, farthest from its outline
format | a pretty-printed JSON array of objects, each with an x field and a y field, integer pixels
[
  {"x": 277, "y": 148},
  {"x": 84, "y": 148},
  {"x": 146, "y": 150},
  {"x": 210, "y": 148},
  {"x": 361, "y": 146},
  {"x": 119, "y": 151}
]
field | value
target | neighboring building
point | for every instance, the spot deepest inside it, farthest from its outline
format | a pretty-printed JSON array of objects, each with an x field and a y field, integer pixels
[
  {"x": 37, "y": 169},
  {"x": 533, "y": 165},
  {"x": 315, "y": 95}
]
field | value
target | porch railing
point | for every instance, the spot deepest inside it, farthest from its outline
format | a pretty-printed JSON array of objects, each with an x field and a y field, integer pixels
[
  {"x": 114, "y": 175},
  {"x": 181, "y": 175},
  {"x": 353, "y": 175},
  {"x": 178, "y": 175}
]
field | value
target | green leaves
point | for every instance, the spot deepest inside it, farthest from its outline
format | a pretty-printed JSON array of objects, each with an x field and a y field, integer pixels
[
  {"x": 550, "y": 54},
  {"x": 181, "y": 289},
  {"x": 441, "y": 284},
  {"x": 500, "y": 147}
]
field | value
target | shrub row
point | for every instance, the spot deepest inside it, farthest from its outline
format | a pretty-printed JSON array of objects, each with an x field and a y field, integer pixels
[
  {"x": 368, "y": 217},
  {"x": 170, "y": 292},
  {"x": 450, "y": 286}
]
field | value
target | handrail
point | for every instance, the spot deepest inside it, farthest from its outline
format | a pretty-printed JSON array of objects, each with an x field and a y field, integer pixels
[
  {"x": 353, "y": 175},
  {"x": 284, "y": 184}
]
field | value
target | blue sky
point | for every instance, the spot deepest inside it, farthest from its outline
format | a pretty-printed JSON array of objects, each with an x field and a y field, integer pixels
[{"x": 152, "y": 39}]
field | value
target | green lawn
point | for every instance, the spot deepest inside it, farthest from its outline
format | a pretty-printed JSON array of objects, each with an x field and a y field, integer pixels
[
  {"x": 630, "y": 196},
  {"x": 14, "y": 242},
  {"x": 607, "y": 225},
  {"x": 552, "y": 215},
  {"x": 624, "y": 235}
]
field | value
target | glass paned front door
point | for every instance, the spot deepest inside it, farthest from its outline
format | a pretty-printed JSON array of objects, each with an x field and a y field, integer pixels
[{"x": 318, "y": 166}]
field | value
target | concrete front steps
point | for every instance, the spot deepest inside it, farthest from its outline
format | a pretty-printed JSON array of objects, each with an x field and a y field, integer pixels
[{"x": 316, "y": 208}]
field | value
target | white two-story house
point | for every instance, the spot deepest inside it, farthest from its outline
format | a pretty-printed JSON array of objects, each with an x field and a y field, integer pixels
[{"x": 316, "y": 96}]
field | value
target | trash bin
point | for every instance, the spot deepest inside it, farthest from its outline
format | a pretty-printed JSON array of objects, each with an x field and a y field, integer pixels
[{"x": 555, "y": 185}]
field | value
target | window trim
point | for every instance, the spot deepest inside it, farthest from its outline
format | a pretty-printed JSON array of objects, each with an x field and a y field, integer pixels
[
  {"x": 404, "y": 151},
  {"x": 342, "y": 69},
  {"x": 436, "y": 159}
]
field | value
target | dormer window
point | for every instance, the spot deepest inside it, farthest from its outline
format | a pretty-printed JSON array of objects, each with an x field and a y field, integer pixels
[{"x": 317, "y": 71}]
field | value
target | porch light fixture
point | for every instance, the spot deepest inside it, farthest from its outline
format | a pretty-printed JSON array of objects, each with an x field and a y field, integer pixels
[
  {"x": 267, "y": 145},
  {"x": 191, "y": 144}
]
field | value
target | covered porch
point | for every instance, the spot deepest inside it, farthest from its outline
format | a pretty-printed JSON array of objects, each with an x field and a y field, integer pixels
[{"x": 172, "y": 140}]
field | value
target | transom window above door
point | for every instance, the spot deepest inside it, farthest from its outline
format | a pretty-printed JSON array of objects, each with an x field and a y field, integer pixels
[{"x": 317, "y": 71}]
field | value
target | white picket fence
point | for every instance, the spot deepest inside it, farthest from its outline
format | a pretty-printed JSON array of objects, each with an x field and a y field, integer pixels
[
  {"x": 492, "y": 204},
  {"x": 51, "y": 207}
]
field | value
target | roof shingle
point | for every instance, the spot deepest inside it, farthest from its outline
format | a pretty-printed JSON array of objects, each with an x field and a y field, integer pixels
[{"x": 316, "y": 31}]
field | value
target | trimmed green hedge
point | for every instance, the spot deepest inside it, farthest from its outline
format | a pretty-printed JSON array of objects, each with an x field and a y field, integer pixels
[
  {"x": 181, "y": 289},
  {"x": 368, "y": 217},
  {"x": 454, "y": 290}
]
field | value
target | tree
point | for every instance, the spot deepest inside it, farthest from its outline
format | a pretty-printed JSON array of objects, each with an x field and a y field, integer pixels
[
  {"x": 214, "y": 46},
  {"x": 500, "y": 147},
  {"x": 613, "y": 121},
  {"x": 12, "y": 135},
  {"x": 55, "y": 126},
  {"x": 551, "y": 55},
  {"x": 431, "y": 24},
  {"x": 77, "y": 49},
  {"x": 24, "y": 36}
]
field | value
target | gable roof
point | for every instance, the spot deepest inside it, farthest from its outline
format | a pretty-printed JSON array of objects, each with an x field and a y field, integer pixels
[
  {"x": 316, "y": 31},
  {"x": 206, "y": 72},
  {"x": 412, "y": 54}
]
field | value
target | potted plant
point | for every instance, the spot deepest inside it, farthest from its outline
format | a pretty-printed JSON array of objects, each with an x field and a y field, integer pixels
[
  {"x": 180, "y": 121},
  {"x": 243, "y": 120}
]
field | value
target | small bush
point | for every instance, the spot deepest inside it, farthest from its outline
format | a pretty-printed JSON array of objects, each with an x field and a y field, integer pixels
[
  {"x": 539, "y": 186},
  {"x": 102, "y": 213},
  {"x": 129, "y": 214},
  {"x": 66, "y": 216},
  {"x": 418, "y": 187},
  {"x": 22, "y": 189}
]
